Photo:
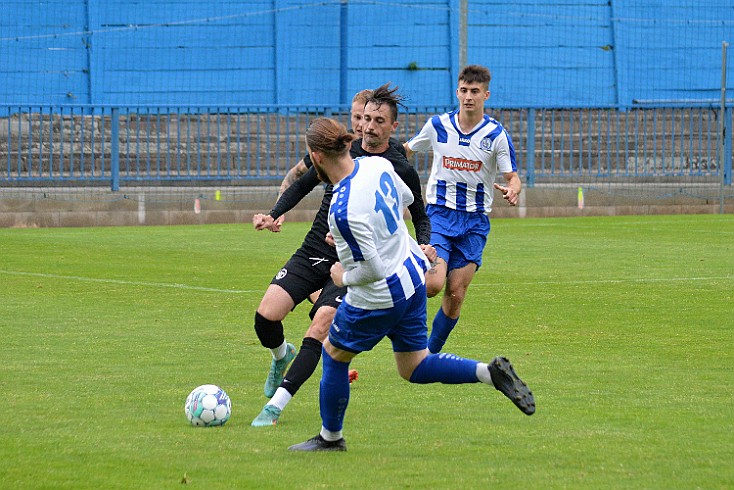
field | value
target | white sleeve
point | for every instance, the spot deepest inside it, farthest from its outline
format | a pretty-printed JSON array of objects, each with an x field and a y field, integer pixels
[
  {"x": 422, "y": 141},
  {"x": 505, "y": 162},
  {"x": 365, "y": 272}
]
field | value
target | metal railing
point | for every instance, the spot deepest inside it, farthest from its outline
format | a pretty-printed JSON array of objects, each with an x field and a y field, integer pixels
[{"x": 197, "y": 145}]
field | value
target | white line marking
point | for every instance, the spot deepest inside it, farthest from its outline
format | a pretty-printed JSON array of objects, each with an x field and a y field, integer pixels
[
  {"x": 130, "y": 283},
  {"x": 617, "y": 281},
  {"x": 239, "y": 291}
]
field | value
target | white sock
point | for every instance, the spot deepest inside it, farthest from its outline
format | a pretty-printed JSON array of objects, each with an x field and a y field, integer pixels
[
  {"x": 279, "y": 352},
  {"x": 483, "y": 373},
  {"x": 281, "y": 398},
  {"x": 330, "y": 436}
]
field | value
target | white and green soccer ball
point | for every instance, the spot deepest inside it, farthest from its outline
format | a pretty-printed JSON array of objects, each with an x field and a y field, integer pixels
[{"x": 208, "y": 406}]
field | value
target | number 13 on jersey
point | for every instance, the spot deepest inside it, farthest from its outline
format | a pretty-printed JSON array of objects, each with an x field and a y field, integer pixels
[{"x": 387, "y": 202}]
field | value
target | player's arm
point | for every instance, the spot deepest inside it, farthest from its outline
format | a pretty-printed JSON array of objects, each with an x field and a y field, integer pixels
[
  {"x": 293, "y": 175},
  {"x": 511, "y": 191},
  {"x": 408, "y": 152},
  {"x": 417, "y": 208},
  {"x": 508, "y": 166},
  {"x": 295, "y": 193},
  {"x": 364, "y": 272},
  {"x": 291, "y": 196},
  {"x": 421, "y": 141}
]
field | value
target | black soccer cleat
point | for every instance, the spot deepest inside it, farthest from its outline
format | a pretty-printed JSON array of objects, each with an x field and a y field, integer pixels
[
  {"x": 318, "y": 443},
  {"x": 509, "y": 383}
]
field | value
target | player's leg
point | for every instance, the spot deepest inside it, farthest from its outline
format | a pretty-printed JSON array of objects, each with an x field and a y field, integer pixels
[
  {"x": 413, "y": 360},
  {"x": 421, "y": 367},
  {"x": 309, "y": 355},
  {"x": 443, "y": 232},
  {"x": 359, "y": 330},
  {"x": 290, "y": 286},
  {"x": 300, "y": 370},
  {"x": 457, "y": 284},
  {"x": 436, "y": 277},
  {"x": 417, "y": 365},
  {"x": 274, "y": 307},
  {"x": 464, "y": 260},
  {"x": 333, "y": 401}
]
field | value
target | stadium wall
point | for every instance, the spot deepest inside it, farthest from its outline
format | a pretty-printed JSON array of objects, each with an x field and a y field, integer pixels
[
  {"x": 542, "y": 54},
  {"x": 69, "y": 207}
]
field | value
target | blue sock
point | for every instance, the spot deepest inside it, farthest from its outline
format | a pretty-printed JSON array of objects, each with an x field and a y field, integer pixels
[
  {"x": 334, "y": 392},
  {"x": 442, "y": 327},
  {"x": 445, "y": 368}
]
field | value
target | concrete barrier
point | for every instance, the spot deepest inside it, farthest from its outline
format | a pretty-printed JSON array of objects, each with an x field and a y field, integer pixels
[{"x": 74, "y": 207}]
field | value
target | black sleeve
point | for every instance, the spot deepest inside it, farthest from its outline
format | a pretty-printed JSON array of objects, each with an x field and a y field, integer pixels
[
  {"x": 297, "y": 191},
  {"x": 398, "y": 146},
  {"x": 421, "y": 223}
]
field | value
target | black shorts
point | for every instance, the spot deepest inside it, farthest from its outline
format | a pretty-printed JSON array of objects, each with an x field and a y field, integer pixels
[
  {"x": 331, "y": 295},
  {"x": 303, "y": 274}
]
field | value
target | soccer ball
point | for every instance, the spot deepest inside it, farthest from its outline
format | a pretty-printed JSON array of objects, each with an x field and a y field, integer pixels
[{"x": 208, "y": 406}]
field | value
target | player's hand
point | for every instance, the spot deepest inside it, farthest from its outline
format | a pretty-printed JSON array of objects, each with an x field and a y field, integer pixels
[
  {"x": 430, "y": 253},
  {"x": 337, "y": 271},
  {"x": 508, "y": 194},
  {"x": 263, "y": 222},
  {"x": 275, "y": 227},
  {"x": 330, "y": 239}
]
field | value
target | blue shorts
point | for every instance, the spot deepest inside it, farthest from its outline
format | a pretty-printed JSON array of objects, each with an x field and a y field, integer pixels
[
  {"x": 357, "y": 330},
  {"x": 458, "y": 236}
]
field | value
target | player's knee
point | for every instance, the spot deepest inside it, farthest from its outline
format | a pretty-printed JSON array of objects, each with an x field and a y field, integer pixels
[
  {"x": 405, "y": 372},
  {"x": 455, "y": 295},
  {"x": 269, "y": 332},
  {"x": 319, "y": 328},
  {"x": 435, "y": 279},
  {"x": 433, "y": 288}
]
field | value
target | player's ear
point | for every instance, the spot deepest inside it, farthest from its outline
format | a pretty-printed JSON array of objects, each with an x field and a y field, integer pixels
[{"x": 316, "y": 156}]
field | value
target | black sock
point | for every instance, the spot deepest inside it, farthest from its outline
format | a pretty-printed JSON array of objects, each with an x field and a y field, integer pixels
[{"x": 303, "y": 365}]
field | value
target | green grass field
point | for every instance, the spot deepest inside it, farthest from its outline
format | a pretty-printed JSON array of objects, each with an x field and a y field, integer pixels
[{"x": 622, "y": 326}]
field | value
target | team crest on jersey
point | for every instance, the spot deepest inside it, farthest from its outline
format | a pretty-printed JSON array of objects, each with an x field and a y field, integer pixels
[
  {"x": 486, "y": 144},
  {"x": 281, "y": 273}
]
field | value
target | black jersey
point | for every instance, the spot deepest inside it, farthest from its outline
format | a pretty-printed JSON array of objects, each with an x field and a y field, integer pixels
[
  {"x": 395, "y": 153},
  {"x": 315, "y": 242}
]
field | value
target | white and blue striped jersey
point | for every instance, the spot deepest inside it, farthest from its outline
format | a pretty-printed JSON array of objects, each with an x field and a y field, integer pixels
[
  {"x": 366, "y": 219},
  {"x": 464, "y": 165}
]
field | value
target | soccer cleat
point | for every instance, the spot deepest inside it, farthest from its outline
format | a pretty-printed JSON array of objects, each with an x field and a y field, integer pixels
[
  {"x": 277, "y": 371},
  {"x": 507, "y": 381},
  {"x": 318, "y": 443},
  {"x": 269, "y": 416}
]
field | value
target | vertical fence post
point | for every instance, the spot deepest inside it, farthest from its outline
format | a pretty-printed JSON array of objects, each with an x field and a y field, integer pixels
[
  {"x": 724, "y": 133},
  {"x": 530, "y": 149},
  {"x": 463, "y": 26},
  {"x": 115, "y": 149},
  {"x": 727, "y": 146},
  {"x": 344, "y": 52}
]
